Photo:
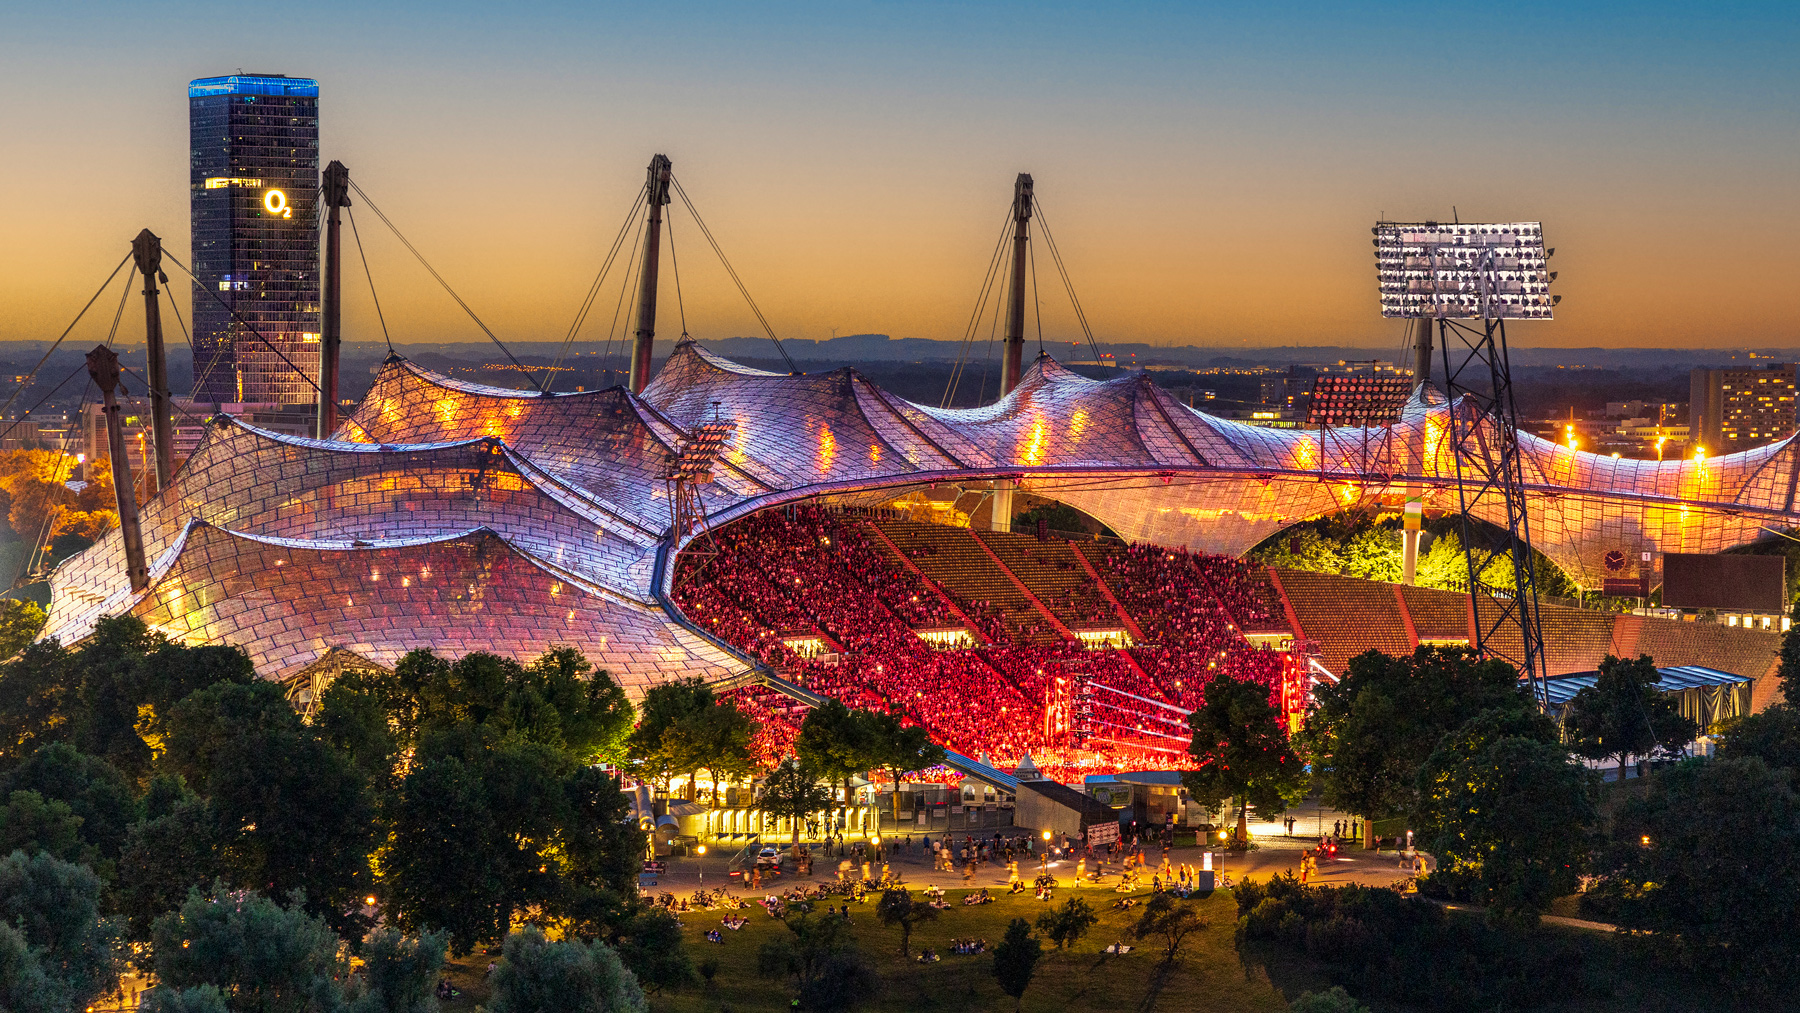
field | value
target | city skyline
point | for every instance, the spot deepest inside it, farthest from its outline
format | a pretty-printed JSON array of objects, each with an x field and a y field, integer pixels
[{"x": 1210, "y": 178}]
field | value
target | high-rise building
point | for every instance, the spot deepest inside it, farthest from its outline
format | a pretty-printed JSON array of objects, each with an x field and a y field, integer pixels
[
  {"x": 1736, "y": 409},
  {"x": 254, "y": 176}
]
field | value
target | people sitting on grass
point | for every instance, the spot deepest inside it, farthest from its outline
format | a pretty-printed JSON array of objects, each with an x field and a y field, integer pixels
[
  {"x": 968, "y": 947},
  {"x": 714, "y": 936}
]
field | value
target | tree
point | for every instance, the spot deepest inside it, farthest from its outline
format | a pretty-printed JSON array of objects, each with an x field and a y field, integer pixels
[
  {"x": 651, "y": 945},
  {"x": 1374, "y": 553},
  {"x": 1065, "y": 925},
  {"x": 399, "y": 973},
  {"x": 295, "y": 815},
  {"x": 92, "y": 789},
  {"x": 1174, "y": 920},
  {"x": 716, "y": 738},
  {"x": 539, "y": 976},
  {"x": 479, "y": 831},
  {"x": 1015, "y": 959},
  {"x": 163, "y": 858},
  {"x": 833, "y": 740},
  {"x": 1243, "y": 751},
  {"x": 56, "y": 952},
  {"x": 792, "y": 791},
  {"x": 20, "y": 623},
  {"x": 821, "y": 957},
  {"x": 1509, "y": 815},
  {"x": 1773, "y": 736},
  {"x": 438, "y": 867},
  {"x": 1444, "y": 564},
  {"x": 210, "y": 720},
  {"x": 1332, "y": 1000},
  {"x": 262, "y": 957},
  {"x": 665, "y": 707},
  {"x": 1300, "y": 548},
  {"x": 898, "y": 748},
  {"x": 1788, "y": 672},
  {"x": 1623, "y": 715},
  {"x": 1368, "y": 735},
  {"x": 39, "y": 700},
  {"x": 899, "y": 907},
  {"x": 1701, "y": 862},
  {"x": 200, "y": 999},
  {"x": 31, "y": 825}
]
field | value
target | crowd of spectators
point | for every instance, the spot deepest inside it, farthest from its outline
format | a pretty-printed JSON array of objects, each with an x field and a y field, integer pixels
[{"x": 816, "y": 595}]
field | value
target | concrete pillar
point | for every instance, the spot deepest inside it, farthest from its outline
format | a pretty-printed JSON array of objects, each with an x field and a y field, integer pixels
[{"x": 1001, "y": 506}]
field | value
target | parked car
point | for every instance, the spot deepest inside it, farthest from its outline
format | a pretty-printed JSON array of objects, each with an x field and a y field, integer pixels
[{"x": 769, "y": 858}]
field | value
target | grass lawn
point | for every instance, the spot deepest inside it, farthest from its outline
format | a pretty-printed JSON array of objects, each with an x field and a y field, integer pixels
[{"x": 1207, "y": 977}]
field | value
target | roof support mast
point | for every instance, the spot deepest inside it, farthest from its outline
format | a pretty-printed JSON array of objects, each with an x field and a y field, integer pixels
[
  {"x": 146, "y": 249},
  {"x": 656, "y": 194},
  {"x": 103, "y": 367},
  {"x": 1013, "y": 359},
  {"x": 331, "y": 326}
]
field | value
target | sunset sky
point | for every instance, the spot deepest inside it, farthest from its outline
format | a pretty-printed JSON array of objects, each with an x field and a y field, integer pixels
[{"x": 1210, "y": 171}]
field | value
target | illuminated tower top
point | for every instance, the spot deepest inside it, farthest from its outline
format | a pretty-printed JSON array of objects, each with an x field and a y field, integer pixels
[{"x": 254, "y": 181}]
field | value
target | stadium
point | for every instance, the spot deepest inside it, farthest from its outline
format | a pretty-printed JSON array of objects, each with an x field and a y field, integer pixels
[{"x": 802, "y": 561}]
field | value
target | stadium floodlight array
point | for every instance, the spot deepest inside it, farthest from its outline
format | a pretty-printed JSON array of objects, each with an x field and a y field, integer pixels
[
  {"x": 698, "y": 453},
  {"x": 1492, "y": 271},
  {"x": 1357, "y": 400}
]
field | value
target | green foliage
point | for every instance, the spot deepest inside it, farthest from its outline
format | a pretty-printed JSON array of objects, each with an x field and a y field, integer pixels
[
  {"x": 1300, "y": 548},
  {"x": 398, "y": 975},
  {"x": 20, "y": 623},
  {"x": 1243, "y": 750},
  {"x": 835, "y": 741},
  {"x": 209, "y": 720},
  {"x": 1701, "y": 861},
  {"x": 792, "y": 791},
  {"x": 201, "y": 999},
  {"x": 93, "y": 790},
  {"x": 1410, "y": 953},
  {"x": 1789, "y": 670},
  {"x": 1510, "y": 817},
  {"x": 897, "y": 747},
  {"x": 684, "y": 727},
  {"x": 1623, "y": 714},
  {"x": 651, "y": 945},
  {"x": 899, "y": 907},
  {"x": 34, "y": 826},
  {"x": 1171, "y": 918},
  {"x": 479, "y": 834},
  {"x": 1443, "y": 564},
  {"x": 1374, "y": 553},
  {"x": 294, "y": 815},
  {"x": 1772, "y": 736},
  {"x": 261, "y": 955},
  {"x": 1016, "y": 958},
  {"x": 163, "y": 858},
  {"x": 539, "y": 976},
  {"x": 821, "y": 958},
  {"x": 1066, "y": 924},
  {"x": 1369, "y": 735},
  {"x": 56, "y": 952},
  {"x": 1057, "y": 516},
  {"x": 107, "y": 697},
  {"x": 559, "y": 701},
  {"x": 1332, "y": 1000}
]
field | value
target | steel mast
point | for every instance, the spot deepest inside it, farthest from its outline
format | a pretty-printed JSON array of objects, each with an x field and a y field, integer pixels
[
  {"x": 656, "y": 194},
  {"x": 146, "y": 250},
  {"x": 331, "y": 325},
  {"x": 1013, "y": 358}
]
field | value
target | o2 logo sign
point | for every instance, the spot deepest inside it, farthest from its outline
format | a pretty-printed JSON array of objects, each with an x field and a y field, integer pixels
[{"x": 275, "y": 203}]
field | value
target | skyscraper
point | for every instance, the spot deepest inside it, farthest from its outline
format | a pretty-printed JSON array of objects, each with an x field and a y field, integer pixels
[{"x": 254, "y": 175}]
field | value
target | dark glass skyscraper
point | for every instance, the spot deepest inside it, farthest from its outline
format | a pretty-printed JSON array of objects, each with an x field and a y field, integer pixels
[{"x": 255, "y": 179}]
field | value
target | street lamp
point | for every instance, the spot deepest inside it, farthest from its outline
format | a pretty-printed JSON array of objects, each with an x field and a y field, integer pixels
[{"x": 701, "y": 866}]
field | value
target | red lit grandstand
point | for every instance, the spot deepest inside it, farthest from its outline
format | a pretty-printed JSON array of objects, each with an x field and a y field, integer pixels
[
  {"x": 1086, "y": 656},
  {"x": 1080, "y": 656}
]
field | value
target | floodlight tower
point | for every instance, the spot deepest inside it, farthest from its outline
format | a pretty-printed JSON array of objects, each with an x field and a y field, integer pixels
[{"x": 1440, "y": 275}]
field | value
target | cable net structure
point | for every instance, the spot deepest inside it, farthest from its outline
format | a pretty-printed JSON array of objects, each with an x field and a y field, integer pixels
[{"x": 528, "y": 519}]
